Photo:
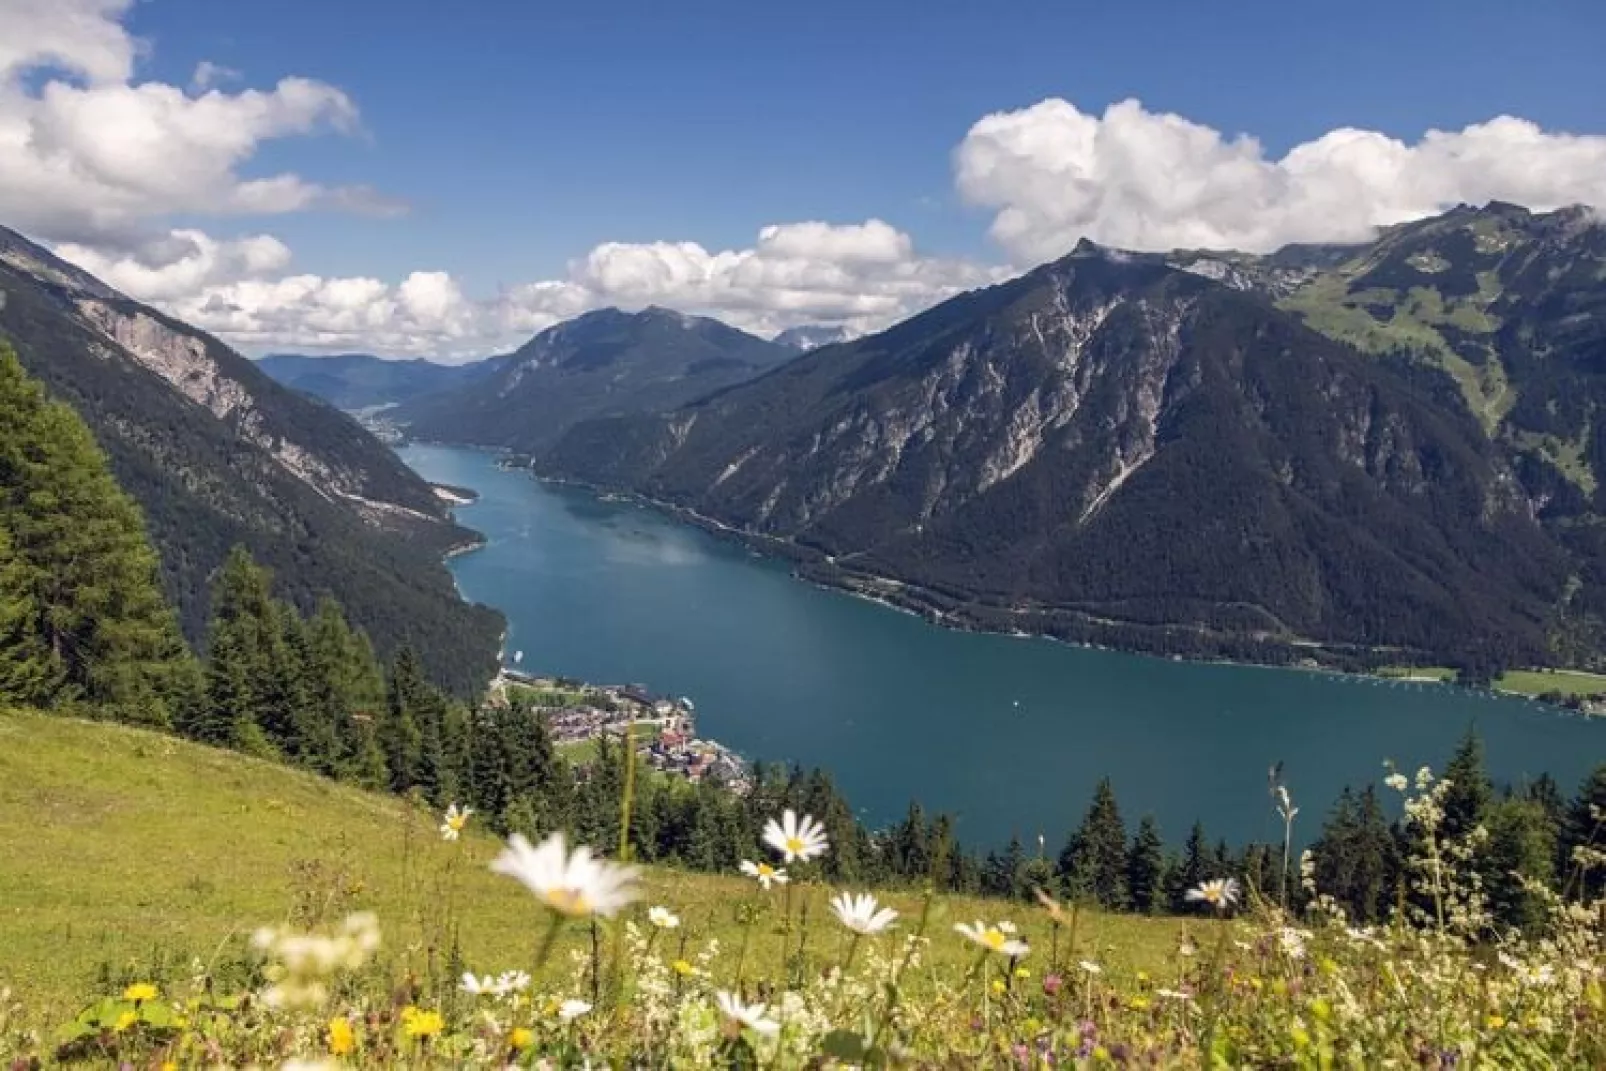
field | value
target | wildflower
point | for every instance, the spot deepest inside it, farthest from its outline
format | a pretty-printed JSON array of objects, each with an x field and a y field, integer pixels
[
  {"x": 342, "y": 1039},
  {"x": 477, "y": 986},
  {"x": 739, "y": 1015},
  {"x": 140, "y": 992},
  {"x": 663, "y": 918},
  {"x": 1056, "y": 911},
  {"x": 521, "y": 1038},
  {"x": 421, "y": 1024},
  {"x": 1022, "y": 973},
  {"x": 1173, "y": 994},
  {"x": 1139, "y": 1003},
  {"x": 1052, "y": 984},
  {"x": 577, "y": 885},
  {"x": 456, "y": 819},
  {"x": 997, "y": 987},
  {"x": 1090, "y": 967},
  {"x": 796, "y": 841},
  {"x": 682, "y": 968},
  {"x": 767, "y": 875},
  {"x": 1219, "y": 893},
  {"x": 571, "y": 1010},
  {"x": 1495, "y": 1022},
  {"x": 993, "y": 938},
  {"x": 1397, "y": 781},
  {"x": 125, "y": 1020},
  {"x": 860, "y": 914},
  {"x": 510, "y": 982}
]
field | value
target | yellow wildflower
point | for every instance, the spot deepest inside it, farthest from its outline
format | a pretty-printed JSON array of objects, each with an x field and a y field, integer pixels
[
  {"x": 521, "y": 1038},
  {"x": 682, "y": 968},
  {"x": 341, "y": 1037},
  {"x": 125, "y": 1020},
  {"x": 140, "y": 992},
  {"x": 421, "y": 1024},
  {"x": 1495, "y": 1022},
  {"x": 1138, "y": 1003},
  {"x": 998, "y": 987},
  {"x": 1022, "y": 973},
  {"x": 169, "y": 1066},
  {"x": 1143, "y": 977},
  {"x": 1321, "y": 1009},
  {"x": 1301, "y": 1037}
]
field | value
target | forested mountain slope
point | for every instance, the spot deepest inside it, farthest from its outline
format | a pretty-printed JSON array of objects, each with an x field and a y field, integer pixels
[
  {"x": 218, "y": 454},
  {"x": 606, "y": 362},
  {"x": 1115, "y": 449},
  {"x": 358, "y": 380}
]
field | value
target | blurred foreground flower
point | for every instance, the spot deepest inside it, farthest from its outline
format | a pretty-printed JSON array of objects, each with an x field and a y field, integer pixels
[{"x": 578, "y": 885}]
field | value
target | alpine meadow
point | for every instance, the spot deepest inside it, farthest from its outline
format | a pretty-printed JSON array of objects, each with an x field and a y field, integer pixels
[{"x": 868, "y": 536}]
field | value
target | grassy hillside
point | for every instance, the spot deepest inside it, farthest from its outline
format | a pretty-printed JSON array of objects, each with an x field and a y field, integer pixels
[{"x": 134, "y": 850}]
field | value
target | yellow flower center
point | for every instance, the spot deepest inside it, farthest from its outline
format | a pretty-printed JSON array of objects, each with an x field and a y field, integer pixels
[
  {"x": 457, "y": 822},
  {"x": 765, "y": 870},
  {"x": 1212, "y": 895},
  {"x": 569, "y": 901},
  {"x": 794, "y": 845},
  {"x": 993, "y": 938}
]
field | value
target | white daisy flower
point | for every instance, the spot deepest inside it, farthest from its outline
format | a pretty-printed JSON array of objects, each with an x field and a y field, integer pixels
[
  {"x": 767, "y": 875},
  {"x": 1219, "y": 893},
  {"x": 456, "y": 819},
  {"x": 510, "y": 982},
  {"x": 741, "y": 1015},
  {"x": 993, "y": 938},
  {"x": 571, "y": 1010},
  {"x": 663, "y": 918},
  {"x": 578, "y": 885},
  {"x": 796, "y": 841},
  {"x": 861, "y": 915},
  {"x": 478, "y": 986},
  {"x": 1090, "y": 967}
]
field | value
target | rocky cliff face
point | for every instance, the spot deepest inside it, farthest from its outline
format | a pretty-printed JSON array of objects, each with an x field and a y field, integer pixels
[{"x": 1111, "y": 439}]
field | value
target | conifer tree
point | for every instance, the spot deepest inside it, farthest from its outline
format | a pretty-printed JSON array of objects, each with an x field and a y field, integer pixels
[
  {"x": 1093, "y": 863},
  {"x": 1193, "y": 868},
  {"x": 1522, "y": 844},
  {"x": 78, "y": 544},
  {"x": 398, "y": 733},
  {"x": 1467, "y": 800},
  {"x": 29, "y": 674},
  {"x": 1583, "y": 835},
  {"x": 1145, "y": 867}
]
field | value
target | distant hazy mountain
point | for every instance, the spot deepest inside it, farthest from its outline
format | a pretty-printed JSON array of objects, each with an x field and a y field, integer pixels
[
  {"x": 217, "y": 453},
  {"x": 813, "y": 336},
  {"x": 1115, "y": 448},
  {"x": 357, "y": 380},
  {"x": 605, "y": 362}
]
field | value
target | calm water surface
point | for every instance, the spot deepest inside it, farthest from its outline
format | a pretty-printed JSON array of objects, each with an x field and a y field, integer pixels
[{"x": 1009, "y": 734}]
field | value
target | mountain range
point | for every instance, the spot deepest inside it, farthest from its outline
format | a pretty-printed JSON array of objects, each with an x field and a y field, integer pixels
[
  {"x": 1387, "y": 450},
  {"x": 603, "y": 363},
  {"x": 361, "y": 381},
  {"x": 218, "y": 454}
]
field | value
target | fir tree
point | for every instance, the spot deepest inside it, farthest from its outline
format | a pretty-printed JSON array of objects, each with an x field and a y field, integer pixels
[
  {"x": 1467, "y": 800},
  {"x": 1093, "y": 863},
  {"x": 1584, "y": 832},
  {"x": 79, "y": 549},
  {"x": 29, "y": 673},
  {"x": 1145, "y": 867},
  {"x": 1521, "y": 845}
]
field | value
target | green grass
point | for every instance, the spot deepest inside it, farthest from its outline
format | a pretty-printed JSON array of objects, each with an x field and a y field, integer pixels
[
  {"x": 583, "y": 751},
  {"x": 1566, "y": 681},
  {"x": 128, "y": 848},
  {"x": 1517, "y": 681}
]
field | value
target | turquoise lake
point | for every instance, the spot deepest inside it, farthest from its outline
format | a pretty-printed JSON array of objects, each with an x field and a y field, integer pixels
[{"x": 1008, "y": 734}]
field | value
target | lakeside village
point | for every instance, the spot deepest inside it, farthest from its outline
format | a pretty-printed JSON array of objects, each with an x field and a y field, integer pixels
[{"x": 665, "y": 730}]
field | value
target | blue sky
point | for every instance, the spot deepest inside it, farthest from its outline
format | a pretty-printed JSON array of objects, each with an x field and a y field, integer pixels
[
  {"x": 520, "y": 136},
  {"x": 524, "y": 133}
]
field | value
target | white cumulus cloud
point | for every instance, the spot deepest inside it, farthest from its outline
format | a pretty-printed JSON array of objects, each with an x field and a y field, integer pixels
[
  {"x": 90, "y": 154},
  {"x": 863, "y": 276},
  {"x": 1147, "y": 180}
]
